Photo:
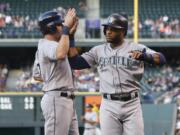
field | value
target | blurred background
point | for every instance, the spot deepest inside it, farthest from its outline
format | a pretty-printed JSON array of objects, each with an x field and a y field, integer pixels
[{"x": 158, "y": 27}]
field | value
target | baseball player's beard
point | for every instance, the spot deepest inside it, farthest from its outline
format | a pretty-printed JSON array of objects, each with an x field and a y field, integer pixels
[{"x": 116, "y": 41}]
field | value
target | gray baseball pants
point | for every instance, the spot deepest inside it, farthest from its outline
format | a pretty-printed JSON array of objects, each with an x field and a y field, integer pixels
[
  {"x": 121, "y": 118},
  {"x": 60, "y": 115}
]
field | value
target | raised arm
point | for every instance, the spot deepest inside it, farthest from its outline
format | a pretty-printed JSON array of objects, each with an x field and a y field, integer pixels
[
  {"x": 63, "y": 47},
  {"x": 75, "y": 60}
]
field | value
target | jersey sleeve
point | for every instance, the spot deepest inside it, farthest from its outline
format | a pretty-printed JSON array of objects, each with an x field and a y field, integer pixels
[
  {"x": 144, "y": 48},
  {"x": 91, "y": 56}
]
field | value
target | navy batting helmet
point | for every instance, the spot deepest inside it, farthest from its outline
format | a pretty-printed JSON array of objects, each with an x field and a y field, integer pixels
[
  {"x": 116, "y": 21},
  {"x": 49, "y": 20}
]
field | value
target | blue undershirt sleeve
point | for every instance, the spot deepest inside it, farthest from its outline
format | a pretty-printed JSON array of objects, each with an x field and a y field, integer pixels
[
  {"x": 78, "y": 62},
  {"x": 162, "y": 59}
]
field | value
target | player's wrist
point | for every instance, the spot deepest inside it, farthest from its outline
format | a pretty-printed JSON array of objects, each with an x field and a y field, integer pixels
[
  {"x": 65, "y": 30},
  {"x": 148, "y": 57}
]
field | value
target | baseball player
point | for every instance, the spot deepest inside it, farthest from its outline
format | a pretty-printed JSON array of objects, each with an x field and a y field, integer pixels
[
  {"x": 120, "y": 65},
  {"x": 57, "y": 103},
  {"x": 91, "y": 120}
]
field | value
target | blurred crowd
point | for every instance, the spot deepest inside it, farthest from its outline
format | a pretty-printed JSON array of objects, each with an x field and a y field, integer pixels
[
  {"x": 4, "y": 6},
  {"x": 163, "y": 27},
  {"x": 157, "y": 82},
  {"x": 15, "y": 26},
  {"x": 17, "y": 21},
  {"x": 163, "y": 79},
  {"x": 25, "y": 82},
  {"x": 86, "y": 80}
]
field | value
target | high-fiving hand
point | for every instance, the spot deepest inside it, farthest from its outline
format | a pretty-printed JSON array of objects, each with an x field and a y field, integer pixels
[
  {"x": 74, "y": 27},
  {"x": 70, "y": 17}
]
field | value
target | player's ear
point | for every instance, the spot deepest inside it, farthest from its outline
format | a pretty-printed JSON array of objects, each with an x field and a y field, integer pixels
[{"x": 123, "y": 32}]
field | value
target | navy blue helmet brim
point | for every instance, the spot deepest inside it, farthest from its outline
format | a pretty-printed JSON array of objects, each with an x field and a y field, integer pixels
[{"x": 112, "y": 25}]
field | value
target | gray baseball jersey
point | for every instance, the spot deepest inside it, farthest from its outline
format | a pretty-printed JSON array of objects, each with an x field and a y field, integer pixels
[
  {"x": 117, "y": 71},
  {"x": 59, "y": 112},
  {"x": 55, "y": 73},
  {"x": 119, "y": 74}
]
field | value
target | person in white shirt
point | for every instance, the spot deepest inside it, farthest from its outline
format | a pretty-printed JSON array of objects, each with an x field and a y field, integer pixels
[{"x": 91, "y": 120}]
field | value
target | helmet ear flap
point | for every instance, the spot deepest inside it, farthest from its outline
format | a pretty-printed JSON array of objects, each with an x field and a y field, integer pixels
[
  {"x": 49, "y": 30},
  {"x": 53, "y": 29},
  {"x": 104, "y": 30}
]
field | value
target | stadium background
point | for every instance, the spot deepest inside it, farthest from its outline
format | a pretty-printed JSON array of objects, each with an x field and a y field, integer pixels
[{"x": 158, "y": 28}]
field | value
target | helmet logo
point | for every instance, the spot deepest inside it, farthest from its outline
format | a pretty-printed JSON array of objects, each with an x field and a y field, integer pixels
[{"x": 111, "y": 20}]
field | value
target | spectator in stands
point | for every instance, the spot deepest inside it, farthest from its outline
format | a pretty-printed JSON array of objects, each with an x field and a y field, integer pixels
[
  {"x": 8, "y": 19},
  {"x": 3, "y": 76},
  {"x": 82, "y": 6},
  {"x": 2, "y": 20},
  {"x": 4, "y": 7},
  {"x": 90, "y": 119}
]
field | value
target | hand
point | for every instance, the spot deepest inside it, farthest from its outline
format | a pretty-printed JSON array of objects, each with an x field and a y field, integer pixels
[
  {"x": 69, "y": 18},
  {"x": 74, "y": 27},
  {"x": 138, "y": 55}
]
